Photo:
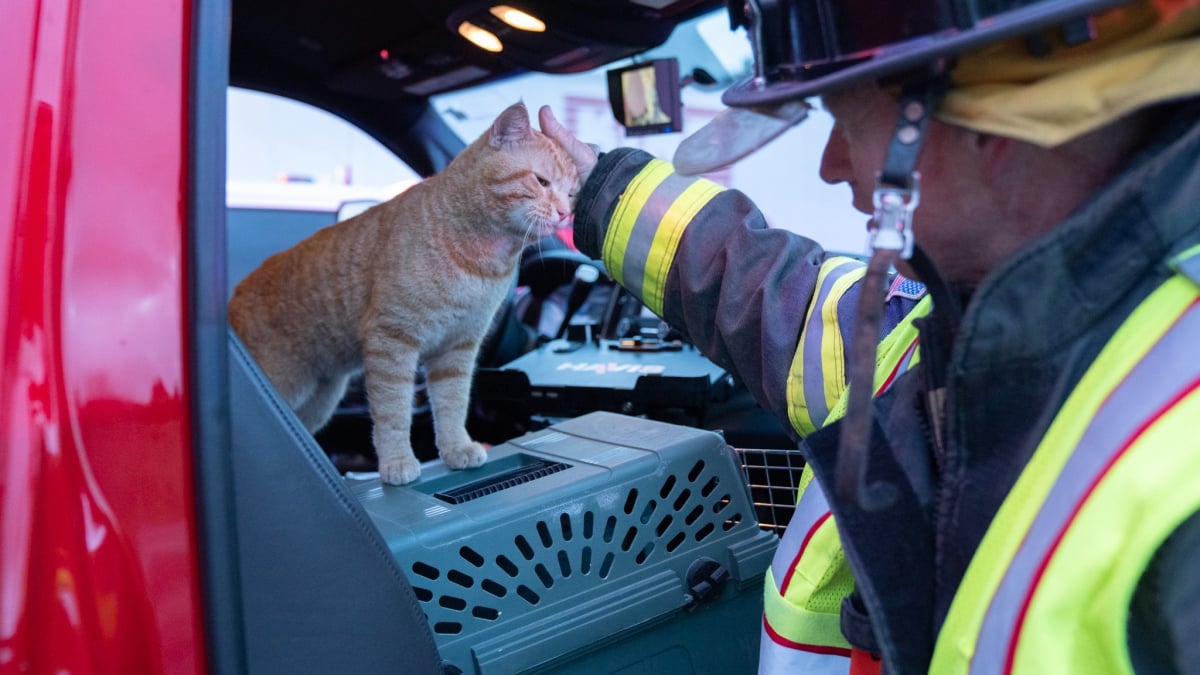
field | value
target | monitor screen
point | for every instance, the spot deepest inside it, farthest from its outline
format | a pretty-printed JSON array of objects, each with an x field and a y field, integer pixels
[{"x": 645, "y": 97}]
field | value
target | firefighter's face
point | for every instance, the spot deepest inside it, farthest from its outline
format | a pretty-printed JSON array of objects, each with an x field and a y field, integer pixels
[
  {"x": 864, "y": 120},
  {"x": 863, "y": 117}
]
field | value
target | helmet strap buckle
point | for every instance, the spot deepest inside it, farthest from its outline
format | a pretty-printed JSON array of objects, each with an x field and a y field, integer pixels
[
  {"x": 891, "y": 226},
  {"x": 898, "y": 183}
]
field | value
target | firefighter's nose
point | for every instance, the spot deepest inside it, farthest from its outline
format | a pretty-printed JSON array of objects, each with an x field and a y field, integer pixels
[{"x": 835, "y": 160}]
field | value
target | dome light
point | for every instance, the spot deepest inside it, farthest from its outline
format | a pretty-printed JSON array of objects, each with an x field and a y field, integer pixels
[
  {"x": 481, "y": 38},
  {"x": 518, "y": 19}
]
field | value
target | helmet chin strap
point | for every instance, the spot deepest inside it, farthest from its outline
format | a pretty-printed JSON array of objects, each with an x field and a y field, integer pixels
[{"x": 897, "y": 193}]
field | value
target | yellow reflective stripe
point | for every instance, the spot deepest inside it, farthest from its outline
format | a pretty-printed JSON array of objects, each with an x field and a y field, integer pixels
[
  {"x": 824, "y": 375},
  {"x": 809, "y": 614},
  {"x": 1091, "y": 577},
  {"x": 666, "y": 239},
  {"x": 1187, "y": 254},
  {"x": 806, "y": 478},
  {"x": 892, "y": 349},
  {"x": 822, "y": 577},
  {"x": 833, "y": 347},
  {"x": 625, "y": 214},
  {"x": 809, "y": 608},
  {"x": 1128, "y": 346}
]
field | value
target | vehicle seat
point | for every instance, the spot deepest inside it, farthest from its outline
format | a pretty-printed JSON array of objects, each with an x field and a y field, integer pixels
[{"x": 321, "y": 592}]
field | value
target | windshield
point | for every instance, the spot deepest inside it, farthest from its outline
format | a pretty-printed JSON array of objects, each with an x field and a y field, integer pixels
[{"x": 781, "y": 178}]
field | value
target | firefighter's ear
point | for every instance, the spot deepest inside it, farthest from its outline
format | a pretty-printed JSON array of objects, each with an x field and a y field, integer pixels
[{"x": 994, "y": 153}]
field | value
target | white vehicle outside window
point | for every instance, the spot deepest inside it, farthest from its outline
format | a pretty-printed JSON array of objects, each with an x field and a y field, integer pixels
[
  {"x": 293, "y": 169},
  {"x": 265, "y": 217}
]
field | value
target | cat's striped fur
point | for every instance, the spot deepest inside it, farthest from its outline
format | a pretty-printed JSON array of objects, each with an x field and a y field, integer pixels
[{"x": 415, "y": 278}]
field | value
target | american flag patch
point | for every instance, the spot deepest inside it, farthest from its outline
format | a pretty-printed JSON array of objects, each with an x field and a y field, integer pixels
[{"x": 906, "y": 288}]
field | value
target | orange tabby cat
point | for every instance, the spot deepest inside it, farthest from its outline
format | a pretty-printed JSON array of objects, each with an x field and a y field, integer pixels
[{"x": 417, "y": 277}]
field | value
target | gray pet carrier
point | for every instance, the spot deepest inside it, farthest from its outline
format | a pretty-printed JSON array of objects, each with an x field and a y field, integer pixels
[{"x": 605, "y": 543}]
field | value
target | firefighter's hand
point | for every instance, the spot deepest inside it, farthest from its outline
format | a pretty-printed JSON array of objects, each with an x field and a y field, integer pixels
[{"x": 582, "y": 154}]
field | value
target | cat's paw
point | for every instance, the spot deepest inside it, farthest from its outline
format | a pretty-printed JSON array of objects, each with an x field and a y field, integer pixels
[
  {"x": 399, "y": 471},
  {"x": 465, "y": 456}
]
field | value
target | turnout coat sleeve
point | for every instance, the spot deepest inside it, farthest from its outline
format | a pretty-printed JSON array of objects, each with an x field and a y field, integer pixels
[{"x": 703, "y": 258}]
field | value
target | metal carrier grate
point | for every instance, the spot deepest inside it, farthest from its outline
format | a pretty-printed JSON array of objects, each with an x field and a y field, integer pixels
[{"x": 773, "y": 476}]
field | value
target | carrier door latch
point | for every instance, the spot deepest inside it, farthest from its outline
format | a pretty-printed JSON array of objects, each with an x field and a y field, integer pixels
[{"x": 705, "y": 579}]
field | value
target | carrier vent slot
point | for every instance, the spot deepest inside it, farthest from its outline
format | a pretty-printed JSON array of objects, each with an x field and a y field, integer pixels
[{"x": 501, "y": 481}]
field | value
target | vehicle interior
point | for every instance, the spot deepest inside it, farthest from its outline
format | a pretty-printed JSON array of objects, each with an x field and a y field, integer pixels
[
  {"x": 377, "y": 64},
  {"x": 306, "y": 518},
  {"x": 382, "y": 70}
]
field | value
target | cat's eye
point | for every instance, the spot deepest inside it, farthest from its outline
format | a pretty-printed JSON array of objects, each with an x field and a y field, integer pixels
[{"x": 542, "y": 181}]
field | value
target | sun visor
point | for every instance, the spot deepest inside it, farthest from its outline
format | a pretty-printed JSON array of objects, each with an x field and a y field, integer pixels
[{"x": 735, "y": 133}]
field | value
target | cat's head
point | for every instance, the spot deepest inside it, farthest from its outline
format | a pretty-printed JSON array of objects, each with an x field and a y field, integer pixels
[{"x": 530, "y": 177}]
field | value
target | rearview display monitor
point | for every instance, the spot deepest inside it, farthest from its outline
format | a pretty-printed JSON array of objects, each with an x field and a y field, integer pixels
[{"x": 645, "y": 97}]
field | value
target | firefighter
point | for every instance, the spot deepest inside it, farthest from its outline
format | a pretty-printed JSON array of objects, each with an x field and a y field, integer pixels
[{"x": 1022, "y": 491}]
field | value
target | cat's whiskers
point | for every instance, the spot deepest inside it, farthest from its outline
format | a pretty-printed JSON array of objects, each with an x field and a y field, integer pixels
[{"x": 531, "y": 228}]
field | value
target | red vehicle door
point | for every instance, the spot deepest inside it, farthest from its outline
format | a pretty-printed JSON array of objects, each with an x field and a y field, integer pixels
[{"x": 99, "y": 561}]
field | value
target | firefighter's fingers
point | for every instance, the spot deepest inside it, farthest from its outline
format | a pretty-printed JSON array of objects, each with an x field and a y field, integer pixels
[{"x": 582, "y": 154}]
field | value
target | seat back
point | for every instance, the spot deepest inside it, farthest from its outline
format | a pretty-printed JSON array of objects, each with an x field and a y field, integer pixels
[{"x": 321, "y": 592}]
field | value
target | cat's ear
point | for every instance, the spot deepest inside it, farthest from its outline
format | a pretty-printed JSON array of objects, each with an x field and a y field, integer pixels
[{"x": 511, "y": 126}]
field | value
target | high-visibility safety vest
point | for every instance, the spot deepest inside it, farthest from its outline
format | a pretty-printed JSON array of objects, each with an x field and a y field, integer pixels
[
  {"x": 809, "y": 576},
  {"x": 1050, "y": 586}
]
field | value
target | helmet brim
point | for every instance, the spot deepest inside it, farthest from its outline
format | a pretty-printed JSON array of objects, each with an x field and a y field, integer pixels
[
  {"x": 916, "y": 53},
  {"x": 735, "y": 133}
]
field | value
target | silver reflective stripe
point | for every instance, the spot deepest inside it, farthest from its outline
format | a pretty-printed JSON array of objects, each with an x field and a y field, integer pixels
[
  {"x": 810, "y": 509},
  {"x": 641, "y": 237},
  {"x": 1188, "y": 264},
  {"x": 777, "y": 659},
  {"x": 1168, "y": 368},
  {"x": 814, "y": 338}
]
